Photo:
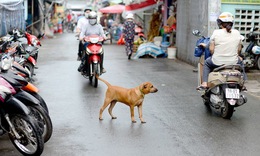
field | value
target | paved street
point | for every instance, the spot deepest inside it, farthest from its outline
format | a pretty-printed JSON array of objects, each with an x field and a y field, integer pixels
[{"x": 177, "y": 121}]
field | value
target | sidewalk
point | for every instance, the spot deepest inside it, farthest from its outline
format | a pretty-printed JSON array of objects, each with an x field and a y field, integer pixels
[{"x": 253, "y": 83}]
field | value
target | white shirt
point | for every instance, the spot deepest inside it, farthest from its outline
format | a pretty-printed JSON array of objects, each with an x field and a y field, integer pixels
[
  {"x": 89, "y": 29},
  {"x": 226, "y": 46},
  {"x": 82, "y": 22}
]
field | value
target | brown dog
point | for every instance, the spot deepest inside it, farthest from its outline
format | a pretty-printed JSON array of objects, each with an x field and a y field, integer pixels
[{"x": 131, "y": 97}]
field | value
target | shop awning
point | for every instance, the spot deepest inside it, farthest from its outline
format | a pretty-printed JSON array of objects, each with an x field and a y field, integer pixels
[
  {"x": 142, "y": 6},
  {"x": 113, "y": 9}
]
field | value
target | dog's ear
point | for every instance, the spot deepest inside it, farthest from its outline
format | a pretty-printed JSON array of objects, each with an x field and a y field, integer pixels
[{"x": 144, "y": 85}]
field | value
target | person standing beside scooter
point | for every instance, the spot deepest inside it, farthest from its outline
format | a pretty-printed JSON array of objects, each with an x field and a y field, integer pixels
[
  {"x": 129, "y": 34},
  {"x": 225, "y": 47},
  {"x": 82, "y": 22},
  {"x": 91, "y": 28}
]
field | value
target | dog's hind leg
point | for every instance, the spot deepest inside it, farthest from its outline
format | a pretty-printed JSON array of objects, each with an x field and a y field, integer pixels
[
  {"x": 106, "y": 103},
  {"x": 113, "y": 103}
]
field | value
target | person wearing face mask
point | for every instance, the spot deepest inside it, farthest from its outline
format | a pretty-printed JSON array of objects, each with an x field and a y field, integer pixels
[
  {"x": 82, "y": 22},
  {"x": 225, "y": 47},
  {"x": 91, "y": 28}
]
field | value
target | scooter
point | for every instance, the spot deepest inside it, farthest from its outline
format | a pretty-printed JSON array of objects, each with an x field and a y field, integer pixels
[
  {"x": 16, "y": 50},
  {"x": 10, "y": 70},
  {"x": 108, "y": 35},
  {"x": 251, "y": 56},
  {"x": 139, "y": 32},
  {"x": 16, "y": 83},
  {"x": 225, "y": 87},
  {"x": 22, "y": 129},
  {"x": 32, "y": 46},
  {"x": 30, "y": 43},
  {"x": 94, "y": 52}
]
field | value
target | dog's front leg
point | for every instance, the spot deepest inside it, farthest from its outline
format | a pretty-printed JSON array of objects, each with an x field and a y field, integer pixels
[
  {"x": 132, "y": 114},
  {"x": 140, "y": 111}
]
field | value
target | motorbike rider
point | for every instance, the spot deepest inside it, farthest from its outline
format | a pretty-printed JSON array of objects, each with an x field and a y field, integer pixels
[
  {"x": 92, "y": 28},
  {"x": 82, "y": 22},
  {"x": 225, "y": 47}
]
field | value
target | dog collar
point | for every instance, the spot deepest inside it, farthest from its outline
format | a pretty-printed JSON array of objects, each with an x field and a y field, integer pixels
[{"x": 142, "y": 92}]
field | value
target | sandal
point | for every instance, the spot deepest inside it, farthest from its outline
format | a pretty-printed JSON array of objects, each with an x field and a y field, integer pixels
[
  {"x": 201, "y": 88},
  {"x": 244, "y": 88}
]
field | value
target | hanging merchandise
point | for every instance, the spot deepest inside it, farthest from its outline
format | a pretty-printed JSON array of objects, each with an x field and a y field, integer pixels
[{"x": 155, "y": 24}]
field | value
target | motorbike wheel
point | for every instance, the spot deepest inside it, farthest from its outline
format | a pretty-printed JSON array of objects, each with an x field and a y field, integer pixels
[
  {"x": 258, "y": 63},
  {"x": 42, "y": 102},
  {"x": 43, "y": 120},
  {"x": 30, "y": 67},
  {"x": 227, "y": 111},
  {"x": 31, "y": 141},
  {"x": 207, "y": 104},
  {"x": 95, "y": 82},
  {"x": 96, "y": 71}
]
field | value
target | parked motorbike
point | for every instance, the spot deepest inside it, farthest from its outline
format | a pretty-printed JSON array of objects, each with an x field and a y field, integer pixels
[
  {"x": 94, "y": 52},
  {"x": 27, "y": 51},
  {"x": 251, "y": 56},
  {"x": 225, "y": 87},
  {"x": 16, "y": 50},
  {"x": 140, "y": 33},
  {"x": 15, "y": 120},
  {"x": 32, "y": 46},
  {"x": 108, "y": 35},
  {"x": 16, "y": 83},
  {"x": 17, "y": 72}
]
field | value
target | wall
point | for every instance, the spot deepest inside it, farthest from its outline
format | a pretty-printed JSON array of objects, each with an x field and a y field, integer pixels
[
  {"x": 246, "y": 16},
  {"x": 12, "y": 16},
  {"x": 191, "y": 14}
]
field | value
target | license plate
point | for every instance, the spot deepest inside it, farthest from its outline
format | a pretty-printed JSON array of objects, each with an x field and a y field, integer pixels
[{"x": 232, "y": 93}]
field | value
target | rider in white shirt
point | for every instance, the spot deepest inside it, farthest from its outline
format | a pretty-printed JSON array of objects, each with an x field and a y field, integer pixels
[
  {"x": 92, "y": 28},
  {"x": 82, "y": 22},
  {"x": 225, "y": 47}
]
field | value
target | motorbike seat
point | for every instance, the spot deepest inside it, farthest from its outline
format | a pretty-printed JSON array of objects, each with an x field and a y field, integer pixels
[{"x": 232, "y": 67}]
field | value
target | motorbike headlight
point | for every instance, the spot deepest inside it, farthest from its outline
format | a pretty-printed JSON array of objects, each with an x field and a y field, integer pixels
[
  {"x": 94, "y": 39},
  {"x": 6, "y": 62}
]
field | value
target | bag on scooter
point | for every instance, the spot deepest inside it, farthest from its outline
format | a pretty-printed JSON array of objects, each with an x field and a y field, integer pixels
[{"x": 199, "y": 50}]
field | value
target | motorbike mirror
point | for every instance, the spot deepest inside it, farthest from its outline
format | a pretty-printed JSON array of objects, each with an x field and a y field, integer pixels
[
  {"x": 196, "y": 32},
  {"x": 10, "y": 32}
]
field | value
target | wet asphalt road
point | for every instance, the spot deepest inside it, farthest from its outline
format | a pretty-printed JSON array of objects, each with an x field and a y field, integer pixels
[{"x": 177, "y": 121}]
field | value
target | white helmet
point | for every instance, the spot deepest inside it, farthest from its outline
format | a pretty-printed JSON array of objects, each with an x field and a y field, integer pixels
[
  {"x": 226, "y": 17},
  {"x": 256, "y": 50},
  {"x": 130, "y": 15},
  {"x": 92, "y": 18}
]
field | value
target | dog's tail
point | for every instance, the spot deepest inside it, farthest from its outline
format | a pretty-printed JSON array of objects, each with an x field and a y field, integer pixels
[{"x": 108, "y": 84}]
